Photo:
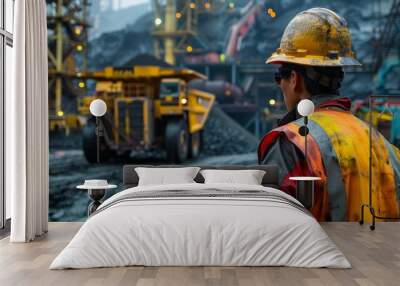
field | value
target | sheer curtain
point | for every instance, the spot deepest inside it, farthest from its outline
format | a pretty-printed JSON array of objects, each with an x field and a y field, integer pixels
[{"x": 27, "y": 124}]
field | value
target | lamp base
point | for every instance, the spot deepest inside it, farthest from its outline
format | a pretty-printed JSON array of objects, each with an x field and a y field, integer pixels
[
  {"x": 305, "y": 193},
  {"x": 95, "y": 195}
]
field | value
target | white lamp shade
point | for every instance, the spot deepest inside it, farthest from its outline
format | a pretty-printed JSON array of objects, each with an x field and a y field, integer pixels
[
  {"x": 98, "y": 107},
  {"x": 305, "y": 107}
]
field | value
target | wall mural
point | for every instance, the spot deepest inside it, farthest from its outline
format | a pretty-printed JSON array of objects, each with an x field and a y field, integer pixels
[{"x": 152, "y": 92}]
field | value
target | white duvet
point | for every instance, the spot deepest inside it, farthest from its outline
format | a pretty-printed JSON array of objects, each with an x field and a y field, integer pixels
[{"x": 200, "y": 231}]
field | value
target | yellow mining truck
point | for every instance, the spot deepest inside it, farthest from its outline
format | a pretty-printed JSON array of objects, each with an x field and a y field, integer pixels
[{"x": 148, "y": 107}]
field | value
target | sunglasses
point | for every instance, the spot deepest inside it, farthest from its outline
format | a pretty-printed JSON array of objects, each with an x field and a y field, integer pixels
[{"x": 281, "y": 74}]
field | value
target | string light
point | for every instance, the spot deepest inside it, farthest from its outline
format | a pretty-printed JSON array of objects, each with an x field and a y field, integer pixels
[
  {"x": 178, "y": 15},
  {"x": 78, "y": 30},
  {"x": 271, "y": 12}
]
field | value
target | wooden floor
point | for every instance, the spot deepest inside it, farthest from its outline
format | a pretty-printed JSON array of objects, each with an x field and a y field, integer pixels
[{"x": 375, "y": 257}]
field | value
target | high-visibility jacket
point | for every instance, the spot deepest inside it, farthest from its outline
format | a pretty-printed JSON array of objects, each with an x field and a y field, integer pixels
[{"x": 338, "y": 152}]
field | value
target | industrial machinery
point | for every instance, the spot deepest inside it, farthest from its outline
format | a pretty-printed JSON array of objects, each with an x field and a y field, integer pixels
[
  {"x": 224, "y": 91},
  {"x": 67, "y": 24},
  {"x": 149, "y": 107},
  {"x": 175, "y": 26},
  {"x": 388, "y": 30}
]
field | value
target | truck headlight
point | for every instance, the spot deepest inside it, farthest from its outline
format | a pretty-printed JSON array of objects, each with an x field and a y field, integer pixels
[{"x": 184, "y": 101}]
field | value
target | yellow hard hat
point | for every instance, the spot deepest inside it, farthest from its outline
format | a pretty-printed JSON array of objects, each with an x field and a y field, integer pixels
[{"x": 316, "y": 37}]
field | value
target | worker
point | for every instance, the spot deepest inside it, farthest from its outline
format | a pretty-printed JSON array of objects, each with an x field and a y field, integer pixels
[{"x": 314, "y": 48}]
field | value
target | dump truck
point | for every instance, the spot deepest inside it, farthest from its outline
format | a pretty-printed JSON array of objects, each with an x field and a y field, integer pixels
[{"x": 148, "y": 107}]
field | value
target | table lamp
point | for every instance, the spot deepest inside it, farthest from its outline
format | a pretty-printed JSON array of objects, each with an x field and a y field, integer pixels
[
  {"x": 305, "y": 108},
  {"x": 98, "y": 108},
  {"x": 305, "y": 185}
]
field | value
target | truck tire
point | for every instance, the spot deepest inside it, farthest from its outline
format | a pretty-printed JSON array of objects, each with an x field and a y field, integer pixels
[
  {"x": 176, "y": 141},
  {"x": 89, "y": 144},
  {"x": 195, "y": 145}
]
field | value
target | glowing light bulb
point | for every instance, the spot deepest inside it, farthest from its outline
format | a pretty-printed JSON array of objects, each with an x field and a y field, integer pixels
[
  {"x": 305, "y": 107},
  {"x": 78, "y": 30},
  {"x": 98, "y": 107},
  {"x": 158, "y": 21},
  {"x": 271, "y": 12}
]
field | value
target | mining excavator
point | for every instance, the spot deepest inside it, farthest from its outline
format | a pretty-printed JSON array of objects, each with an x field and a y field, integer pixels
[{"x": 148, "y": 107}]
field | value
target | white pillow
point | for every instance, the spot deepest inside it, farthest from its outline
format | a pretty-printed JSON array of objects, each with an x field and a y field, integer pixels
[
  {"x": 248, "y": 177},
  {"x": 164, "y": 176}
]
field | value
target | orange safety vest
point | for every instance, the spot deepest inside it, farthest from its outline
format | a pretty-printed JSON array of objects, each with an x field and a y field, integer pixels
[{"x": 338, "y": 152}]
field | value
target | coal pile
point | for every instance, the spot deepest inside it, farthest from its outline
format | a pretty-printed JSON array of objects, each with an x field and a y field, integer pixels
[
  {"x": 60, "y": 141},
  {"x": 118, "y": 48},
  {"x": 224, "y": 136}
]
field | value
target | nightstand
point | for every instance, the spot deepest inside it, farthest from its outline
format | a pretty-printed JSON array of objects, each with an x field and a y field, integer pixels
[
  {"x": 305, "y": 190},
  {"x": 96, "y": 192}
]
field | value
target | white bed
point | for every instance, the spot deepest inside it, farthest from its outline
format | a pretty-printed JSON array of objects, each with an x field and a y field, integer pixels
[{"x": 185, "y": 230}]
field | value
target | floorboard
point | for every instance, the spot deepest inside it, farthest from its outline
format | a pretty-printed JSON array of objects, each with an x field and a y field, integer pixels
[{"x": 374, "y": 255}]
